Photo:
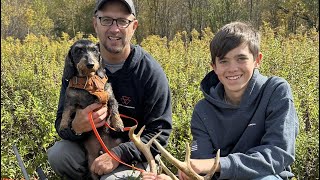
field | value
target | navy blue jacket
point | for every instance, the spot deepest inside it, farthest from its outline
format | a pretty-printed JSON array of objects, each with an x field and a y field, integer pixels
[{"x": 142, "y": 91}]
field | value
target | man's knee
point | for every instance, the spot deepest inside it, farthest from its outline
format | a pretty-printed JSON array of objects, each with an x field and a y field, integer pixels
[
  {"x": 66, "y": 157},
  {"x": 54, "y": 157},
  {"x": 59, "y": 153}
]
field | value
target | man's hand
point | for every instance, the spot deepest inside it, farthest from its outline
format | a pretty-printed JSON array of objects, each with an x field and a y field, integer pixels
[
  {"x": 81, "y": 122},
  {"x": 104, "y": 164}
]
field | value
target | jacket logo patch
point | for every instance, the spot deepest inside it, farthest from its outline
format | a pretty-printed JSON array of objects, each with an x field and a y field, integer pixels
[
  {"x": 194, "y": 146},
  {"x": 252, "y": 124},
  {"x": 125, "y": 100}
]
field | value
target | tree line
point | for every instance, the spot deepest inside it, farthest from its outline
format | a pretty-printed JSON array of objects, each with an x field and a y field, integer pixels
[{"x": 156, "y": 17}]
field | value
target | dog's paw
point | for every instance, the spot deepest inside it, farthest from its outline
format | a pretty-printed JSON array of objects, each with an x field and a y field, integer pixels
[
  {"x": 116, "y": 122},
  {"x": 63, "y": 124}
]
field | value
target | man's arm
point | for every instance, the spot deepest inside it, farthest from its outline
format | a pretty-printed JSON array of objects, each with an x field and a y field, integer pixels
[{"x": 157, "y": 116}]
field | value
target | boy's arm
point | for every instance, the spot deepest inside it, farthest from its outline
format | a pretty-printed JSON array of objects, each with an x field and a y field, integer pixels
[{"x": 202, "y": 146}]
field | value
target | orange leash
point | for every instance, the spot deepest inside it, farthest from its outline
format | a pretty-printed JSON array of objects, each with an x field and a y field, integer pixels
[
  {"x": 104, "y": 146},
  {"x": 125, "y": 128}
]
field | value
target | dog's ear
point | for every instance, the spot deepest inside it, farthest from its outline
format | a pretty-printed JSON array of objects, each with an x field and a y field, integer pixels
[
  {"x": 69, "y": 69},
  {"x": 101, "y": 72}
]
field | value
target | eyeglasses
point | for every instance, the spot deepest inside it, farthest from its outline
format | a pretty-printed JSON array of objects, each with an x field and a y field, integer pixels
[{"x": 122, "y": 23}]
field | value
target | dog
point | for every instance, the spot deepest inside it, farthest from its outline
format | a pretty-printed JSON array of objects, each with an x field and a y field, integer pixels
[{"x": 88, "y": 84}]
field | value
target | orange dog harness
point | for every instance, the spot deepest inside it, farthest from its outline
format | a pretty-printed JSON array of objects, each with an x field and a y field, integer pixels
[{"x": 94, "y": 85}]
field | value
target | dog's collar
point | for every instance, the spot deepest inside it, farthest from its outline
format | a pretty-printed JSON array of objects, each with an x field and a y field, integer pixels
[{"x": 94, "y": 85}]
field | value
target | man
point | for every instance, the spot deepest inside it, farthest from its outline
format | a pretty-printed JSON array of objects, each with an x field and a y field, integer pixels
[
  {"x": 251, "y": 118},
  {"x": 140, "y": 86}
]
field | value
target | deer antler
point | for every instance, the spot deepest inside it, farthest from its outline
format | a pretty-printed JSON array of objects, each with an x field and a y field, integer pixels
[
  {"x": 214, "y": 167},
  {"x": 144, "y": 148},
  {"x": 186, "y": 166},
  {"x": 183, "y": 166},
  {"x": 164, "y": 167}
]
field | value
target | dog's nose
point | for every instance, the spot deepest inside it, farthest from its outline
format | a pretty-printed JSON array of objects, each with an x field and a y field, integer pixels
[{"x": 90, "y": 66}]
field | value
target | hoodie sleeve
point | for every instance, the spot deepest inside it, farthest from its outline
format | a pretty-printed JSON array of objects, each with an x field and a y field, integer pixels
[
  {"x": 202, "y": 146},
  {"x": 157, "y": 114},
  {"x": 157, "y": 118},
  {"x": 277, "y": 148}
]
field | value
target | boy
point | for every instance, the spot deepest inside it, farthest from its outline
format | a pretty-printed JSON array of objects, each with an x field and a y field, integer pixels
[{"x": 251, "y": 118}]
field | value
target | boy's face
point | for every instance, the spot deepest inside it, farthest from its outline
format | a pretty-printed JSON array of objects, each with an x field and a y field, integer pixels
[{"x": 236, "y": 68}]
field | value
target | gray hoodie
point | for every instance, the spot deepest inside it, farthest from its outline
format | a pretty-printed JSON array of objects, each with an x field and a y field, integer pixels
[{"x": 256, "y": 138}]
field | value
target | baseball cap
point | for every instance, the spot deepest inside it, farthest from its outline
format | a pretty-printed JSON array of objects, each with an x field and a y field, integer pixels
[{"x": 128, "y": 3}]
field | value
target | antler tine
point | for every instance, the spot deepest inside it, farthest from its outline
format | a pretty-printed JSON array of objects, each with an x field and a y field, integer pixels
[
  {"x": 214, "y": 167},
  {"x": 144, "y": 148},
  {"x": 183, "y": 166},
  {"x": 168, "y": 172}
]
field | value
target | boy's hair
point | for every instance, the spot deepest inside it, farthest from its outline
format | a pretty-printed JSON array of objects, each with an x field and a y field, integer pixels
[{"x": 231, "y": 36}]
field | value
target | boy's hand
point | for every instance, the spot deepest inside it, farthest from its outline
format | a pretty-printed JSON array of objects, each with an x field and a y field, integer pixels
[
  {"x": 153, "y": 176},
  {"x": 182, "y": 175},
  {"x": 200, "y": 166}
]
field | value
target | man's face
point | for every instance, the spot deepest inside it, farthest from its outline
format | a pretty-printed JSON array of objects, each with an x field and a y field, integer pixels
[
  {"x": 236, "y": 68},
  {"x": 112, "y": 38}
]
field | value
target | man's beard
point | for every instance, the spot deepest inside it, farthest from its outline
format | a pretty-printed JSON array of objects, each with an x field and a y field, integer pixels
[{"x": 114, "y": 50}]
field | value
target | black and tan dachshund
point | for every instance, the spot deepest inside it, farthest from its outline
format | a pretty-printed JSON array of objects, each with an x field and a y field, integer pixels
[{"x": 88, "y": 84}]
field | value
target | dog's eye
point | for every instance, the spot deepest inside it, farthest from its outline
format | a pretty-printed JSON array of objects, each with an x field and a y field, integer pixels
[
  {"x": 94, "y": 50},
  {"x": 78, "y": 50}
]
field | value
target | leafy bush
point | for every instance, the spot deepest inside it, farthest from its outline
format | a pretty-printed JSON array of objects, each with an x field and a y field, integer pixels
[{"x": 31, "y": 75}]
